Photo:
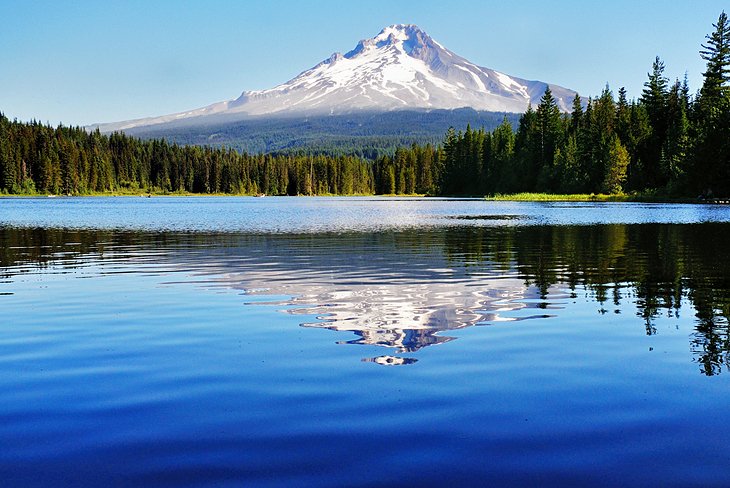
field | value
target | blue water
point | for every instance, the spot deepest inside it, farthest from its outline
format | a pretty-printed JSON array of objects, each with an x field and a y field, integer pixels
[
  {"x": 361, "y": 342},
  {"x": 322, "y": 214}
]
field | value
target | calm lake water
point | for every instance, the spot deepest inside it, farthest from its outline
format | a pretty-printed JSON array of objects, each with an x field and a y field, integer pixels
[{"x": 363, "y": 341}]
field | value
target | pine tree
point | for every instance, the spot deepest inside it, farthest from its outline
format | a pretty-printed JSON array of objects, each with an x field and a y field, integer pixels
[
  {"x": 576, "y": 116},
  {"x": 7, "y": 165},
  {"x": 711, "y": 153},
  {"x": 602, "y": 122},
  {"x": 450, "y": 163},
  {"x": 527, "y": 151},
  {"x": 389, "y": 188},
  {"x": 717, "y": 54},
  {"x": 639, "y": 131},
  {"x": 486, "y": 181},
  {"x": 502, "y": 171},
  {"x": 550, "y": 133},
  {"x": 584, "y": 141},
  {"x": 676, "y": 145},
  {"x": 623, "y": 116},
  {"x": 616, "y": 162},
  {"x": 474, "y": 163},
  {"x": 685, "y": 95},
  {"x": 654, "y": 99},
  {"x": 569, "y": 172}
]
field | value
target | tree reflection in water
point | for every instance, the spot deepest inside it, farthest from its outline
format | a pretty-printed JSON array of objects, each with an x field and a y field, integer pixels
[{"x": 404, "y": 290}]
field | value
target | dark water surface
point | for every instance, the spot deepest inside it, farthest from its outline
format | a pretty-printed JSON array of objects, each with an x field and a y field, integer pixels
[{"x": 361, "y": 342}]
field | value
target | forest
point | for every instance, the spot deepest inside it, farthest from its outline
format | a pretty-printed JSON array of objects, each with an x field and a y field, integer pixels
[
  {"x": 365, "y": 134},
  {"x": 669, "y": 142}
]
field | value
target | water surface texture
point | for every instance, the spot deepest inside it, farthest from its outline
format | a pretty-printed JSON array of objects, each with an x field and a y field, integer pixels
[
  {"x": 321, "y": 214},
  {"x": 361, "y": 342}
]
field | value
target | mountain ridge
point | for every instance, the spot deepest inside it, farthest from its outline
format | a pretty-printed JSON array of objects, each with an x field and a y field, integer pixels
[{"x": 401, "y": 68}]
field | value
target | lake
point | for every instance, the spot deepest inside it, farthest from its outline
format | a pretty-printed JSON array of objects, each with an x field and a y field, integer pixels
[{"x": 363, "y": 341}]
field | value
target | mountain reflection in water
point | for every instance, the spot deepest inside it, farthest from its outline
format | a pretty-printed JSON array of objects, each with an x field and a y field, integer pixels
[
  {"x": 406, "y": 290},
  {"x": 410, "y": 317}
]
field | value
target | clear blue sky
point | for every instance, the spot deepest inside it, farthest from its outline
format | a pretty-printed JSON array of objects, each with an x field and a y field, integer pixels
[{"x": 80, "y": 62}]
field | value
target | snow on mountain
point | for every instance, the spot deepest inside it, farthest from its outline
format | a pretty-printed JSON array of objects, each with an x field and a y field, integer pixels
[{"x": 400, "y": 68}]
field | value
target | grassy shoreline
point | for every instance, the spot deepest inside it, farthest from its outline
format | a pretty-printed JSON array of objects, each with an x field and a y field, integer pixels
[{"x": 583, "y": 197}]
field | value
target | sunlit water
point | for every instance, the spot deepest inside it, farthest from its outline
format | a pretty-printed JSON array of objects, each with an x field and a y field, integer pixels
[{"x": 362, "y": 342}]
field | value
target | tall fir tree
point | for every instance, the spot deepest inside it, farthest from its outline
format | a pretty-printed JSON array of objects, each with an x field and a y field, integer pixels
[
  {"x": 711, "y": 151},
  {"x": 450, "y": 162},
  {"x": 550, "y": 133},
  {"x": 601, "y": 131},
  {"x": 502, "y": 169},
  {"x": 7, "y": 165},
  {"x": 717, "y": 55},
  {"x": 576, "y": 115},
  {"x": 527, "y": 152},
  {"x": 676, "y": 145},
  {"x": 654, "y": 99},
  {"x": 616, "y": 161}
]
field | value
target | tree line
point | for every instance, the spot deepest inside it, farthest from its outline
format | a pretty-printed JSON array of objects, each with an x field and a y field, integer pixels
[
  {"x": 655, "y": 267},
  {"x": 668, "y": 141},
  {"x": 652, "y": 270},
  {"x": 70, "y": 161}
]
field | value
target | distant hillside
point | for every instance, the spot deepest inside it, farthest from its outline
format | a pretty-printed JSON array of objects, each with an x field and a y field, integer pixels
[{"x": 363, "y": 134}]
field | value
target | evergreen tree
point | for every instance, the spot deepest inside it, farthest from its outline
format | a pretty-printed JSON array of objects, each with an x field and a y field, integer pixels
[
  {"x": 473, "y": 167},
  {"x": 717, "y": 54},
  {"x": 576, "y": 116},
  {"x": 616, "y": 161},
  {"x": 601, "y": 132},
  {"x": 584, "y": 141},
  {"x": 676, "y": 145},
  {"x": 654, "y": 99},
  {"x": 550, "y": 133},
  {"x": 451, "y": 164},
  {"x": 527, "y": 151},
  {"x": 7, "y": 165},
  {"x": 623, "y": 116},
  {"x": 502, "y": 170},
  {"x": 639, "y": 131},
  {"x": 486, "y": 180},
  {"x": 568, "y": 171},
  {"x": 711, "y": 155}
]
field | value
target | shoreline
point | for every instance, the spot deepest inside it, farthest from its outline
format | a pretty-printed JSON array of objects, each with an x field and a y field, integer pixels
[
  {"x": 583, "y": 197},
  {"x": 514, "y": 197}
]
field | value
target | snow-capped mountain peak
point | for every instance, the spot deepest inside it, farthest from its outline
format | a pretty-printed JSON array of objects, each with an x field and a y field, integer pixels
[{"x": 401, "y": 68}]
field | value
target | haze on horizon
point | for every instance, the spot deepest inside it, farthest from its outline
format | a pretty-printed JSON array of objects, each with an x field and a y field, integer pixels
[{"x": 86, "y": 62}]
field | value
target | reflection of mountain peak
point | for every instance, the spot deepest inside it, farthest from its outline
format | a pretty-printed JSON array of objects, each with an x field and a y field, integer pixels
[
  {"x": 409, "y": 316},
  {"x": 437, "y": 279},
  {"x": 404, "y": 340},
  {"x": 390, "y": 360},
  {"x": 382, "y": 302}
]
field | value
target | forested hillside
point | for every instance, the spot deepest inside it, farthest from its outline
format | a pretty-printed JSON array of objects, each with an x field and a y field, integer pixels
[{"x": 364, "y": 134}]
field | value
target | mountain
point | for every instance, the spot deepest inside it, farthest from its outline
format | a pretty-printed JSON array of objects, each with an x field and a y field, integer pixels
[{"x": 402, "y": 68}]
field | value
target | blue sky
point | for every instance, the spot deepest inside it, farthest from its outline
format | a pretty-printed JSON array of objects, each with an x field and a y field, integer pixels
[{"x": 81, "y": 62}]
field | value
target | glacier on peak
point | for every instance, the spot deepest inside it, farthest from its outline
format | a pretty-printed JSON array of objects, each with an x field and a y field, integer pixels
[{"x": 401, "y": 68}]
